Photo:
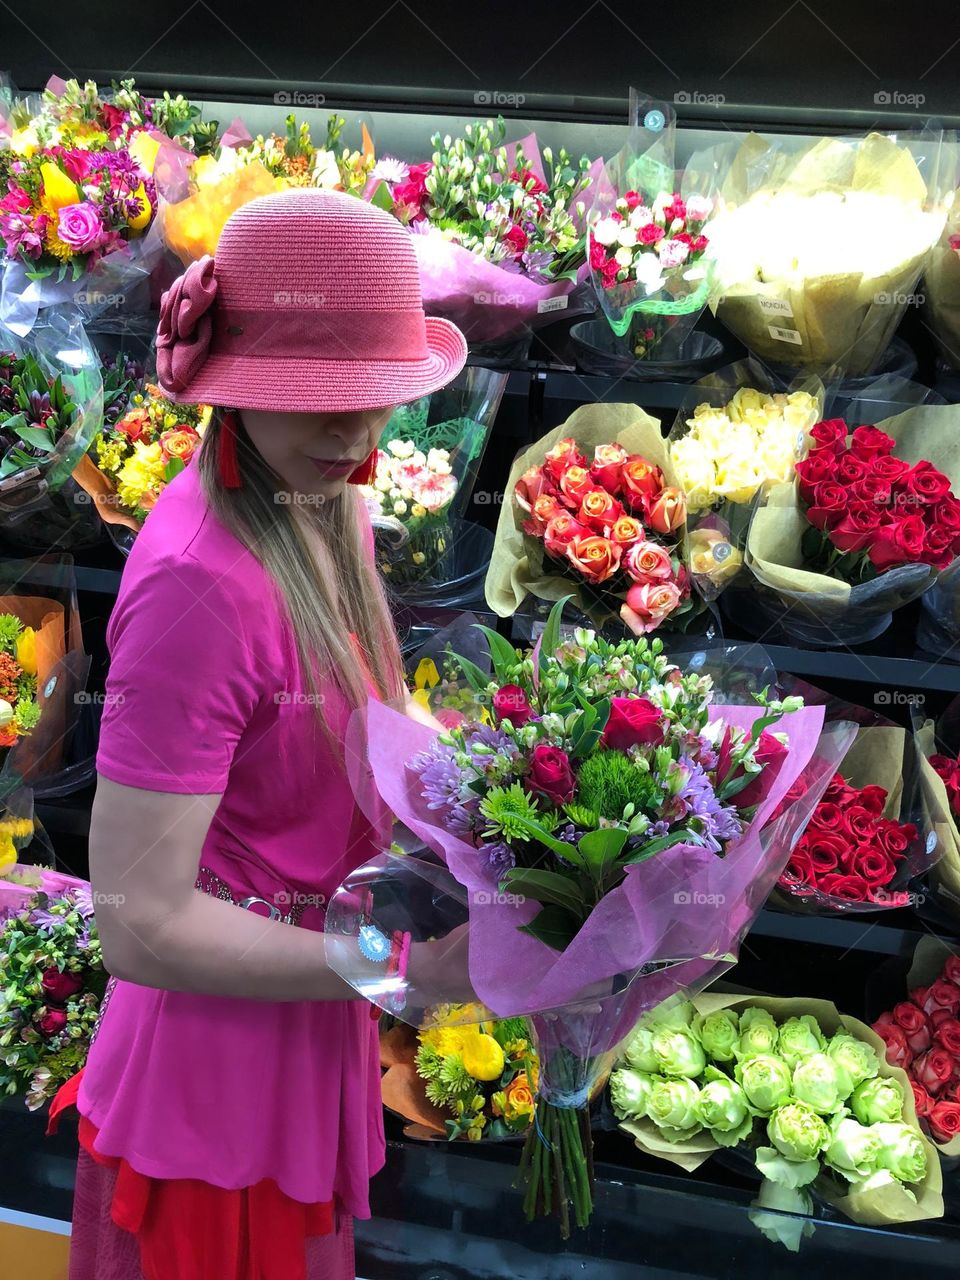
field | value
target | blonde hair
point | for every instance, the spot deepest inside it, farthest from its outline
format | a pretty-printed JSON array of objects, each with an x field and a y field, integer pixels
[{"x": 327, "y": 585}]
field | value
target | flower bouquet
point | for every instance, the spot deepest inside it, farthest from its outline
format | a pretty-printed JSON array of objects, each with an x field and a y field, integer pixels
[
  {"x": 53, "y": 981},
  {"x": 472, "y": 1080},
  {"x": 52, "y": 392},
  {"x": 817, "y": 253},
  {"x": 939, "y": 748},
  {"x": 863, "y": 845},
  {"x": 734, "y": 446},
  {"x": 500, "y": 229},
  {"x": 195, "y": 207},
  {"x": 43, "y": 671},
  {"x": 922, "y": 1037},
  {"x": 587, "y": 837},
  {"x": 137, "y": 456},
  {"x": 869, "y": 523},
  {"x": 594, "y": 504},
  {"x": 430, "y": 453},
  {"x": 804, "y": 1088}
]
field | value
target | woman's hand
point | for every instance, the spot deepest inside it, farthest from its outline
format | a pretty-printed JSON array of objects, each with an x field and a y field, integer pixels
[
  {"x": 438, "y": 972},
  {"x": 416, "y": 711}
]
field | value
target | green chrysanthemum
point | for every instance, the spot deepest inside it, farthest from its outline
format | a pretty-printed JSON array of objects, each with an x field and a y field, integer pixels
[
  {"x": 10, "y": 628},
  {"x": 428, "y": 1062},
  {"x": 26, "y": 715},
  {"x": 507, "y": 809},
  {"x": 581, "y": 816},
  {"x": 609, "y": 780},
  {"x": 456, "y": 1078}
]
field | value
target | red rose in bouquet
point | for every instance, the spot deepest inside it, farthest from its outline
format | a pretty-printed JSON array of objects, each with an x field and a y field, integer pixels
[
  {"x": 944, "y": 1121},
  {"x": 612, "y": 526},
  {"x": 633, "y": 721},
  {"x": 933, "y": 1070},
  {"x": 897, "y": 1050},
  {"x": 947, "y": 1036},
  {"x": 947, "y": 768},
  {"x": 852, "y": 851},
  {"x": 921, "y": 1100},
  {"x": 869, "y": 511},
  {"x": 913, "y": 1021}
]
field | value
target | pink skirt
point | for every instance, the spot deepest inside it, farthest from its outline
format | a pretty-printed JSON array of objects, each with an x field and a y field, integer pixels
[{"x": 100, "y": 1250}]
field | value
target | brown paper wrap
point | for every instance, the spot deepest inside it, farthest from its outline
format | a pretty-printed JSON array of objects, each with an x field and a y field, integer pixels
[
  {"x": 838, "y": 320},
  {"x": 930, "y": 432},
  {"x": 403, "y": 1091},
  {"x": 100, "y": 488},
  {"x": 882, "y": 1207},
  {"x": 518, "y": 565}
]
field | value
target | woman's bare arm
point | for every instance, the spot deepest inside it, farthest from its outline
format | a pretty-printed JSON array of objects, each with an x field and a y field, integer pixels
[{"x": 159, "y": 931}]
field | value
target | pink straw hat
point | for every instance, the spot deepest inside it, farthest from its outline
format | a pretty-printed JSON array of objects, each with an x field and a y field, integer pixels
[{"x": 312, "y": 304}]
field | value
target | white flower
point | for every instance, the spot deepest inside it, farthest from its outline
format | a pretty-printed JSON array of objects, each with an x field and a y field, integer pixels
[
  {"x": 698, "y": 208},
  {"x": 646, "y": 268},
  {"x": 401, "y": 448},
  {"x": 624, "y": 257},
  {"x": 606, "y": 231},
  {"x": 399, "y": 508},
  {"x": 627, "y": 237},
  {"x": 664, "y": 199},
  {"x": 438, "y": 461},
  {"x": 389, "y": 169},
  {"x": 641, "y": 215},
  {"x": 673, "y": 253}
]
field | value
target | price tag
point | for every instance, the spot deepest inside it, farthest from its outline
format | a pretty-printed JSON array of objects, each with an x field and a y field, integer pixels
[
  {"x": 785, "y": 335},
  {"x": 559, "y": 303},
  {"x": 776, "y": 307},
  {"x": 931, "y": 841}
]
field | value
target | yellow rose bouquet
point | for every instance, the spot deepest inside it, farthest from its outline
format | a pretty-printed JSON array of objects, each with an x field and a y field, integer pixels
[
  {"x": 468, "y": 1080},
  {"x": 735, "y": 445},
  {"x": 817, "y": 253}
]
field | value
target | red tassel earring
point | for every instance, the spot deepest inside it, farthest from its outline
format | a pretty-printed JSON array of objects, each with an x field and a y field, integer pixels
[
  {"x": 366, "y": 471},
  {"x": 229, "y": 464}
]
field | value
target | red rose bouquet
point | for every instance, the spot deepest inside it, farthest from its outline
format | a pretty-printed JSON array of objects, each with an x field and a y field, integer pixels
[
  {"x": 922, "y": 1035},
  {"x": 593, "y": 505},
  {"x": 870, "y": 521},
  {"x": 870, "y": 835}
]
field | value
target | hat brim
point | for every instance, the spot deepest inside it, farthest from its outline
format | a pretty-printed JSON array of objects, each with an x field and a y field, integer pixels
[{"x": 303, "y": 385}]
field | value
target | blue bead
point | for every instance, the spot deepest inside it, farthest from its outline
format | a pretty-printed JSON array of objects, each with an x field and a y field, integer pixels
[{"x": 654, "y": 121}]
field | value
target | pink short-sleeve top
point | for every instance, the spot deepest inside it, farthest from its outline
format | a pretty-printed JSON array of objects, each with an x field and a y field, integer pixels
[{"x": 203, "y": 697}]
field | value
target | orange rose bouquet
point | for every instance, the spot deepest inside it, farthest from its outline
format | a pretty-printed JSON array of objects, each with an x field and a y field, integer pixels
[{"x": 595, "y": 504}]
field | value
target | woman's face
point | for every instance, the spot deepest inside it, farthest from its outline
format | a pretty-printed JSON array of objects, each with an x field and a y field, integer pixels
[{"x": 314, "y": 453}]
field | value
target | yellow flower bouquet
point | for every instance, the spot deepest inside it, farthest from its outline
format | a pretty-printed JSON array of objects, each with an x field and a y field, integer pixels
[
  {"x": 730, "y": 451},
  {"x": 471, "y": 1080},
  {"x": 817, "y": 254}
]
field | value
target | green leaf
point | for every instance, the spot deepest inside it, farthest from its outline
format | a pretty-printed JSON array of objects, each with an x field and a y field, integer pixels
[
  {"x": 476, "y": 678},
  {"x": 544, "y": 886},
  {"x": 551, "y": 633},
  {"x": 173, "y": 468},
  {"x": 554, "y": 926},
  {"x": 736, "y": 785},
  {"x": 658, "y": 846},
  {"x": 41, "y": 437},
  {"x": 559, "y": 847},
  {"x": 601, "y": 847},
  {"x": 382, "y": 198},
  {"x": 502, "y": 652}
]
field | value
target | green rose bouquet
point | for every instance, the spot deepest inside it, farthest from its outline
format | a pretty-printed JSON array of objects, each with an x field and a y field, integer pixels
[{"x": 806, "y": 1089}]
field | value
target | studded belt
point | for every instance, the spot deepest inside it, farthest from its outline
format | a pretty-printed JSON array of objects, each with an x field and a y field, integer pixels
[{"x": 286, "y": 907}]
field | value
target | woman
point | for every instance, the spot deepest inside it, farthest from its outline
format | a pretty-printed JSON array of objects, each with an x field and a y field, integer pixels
[{"x": 230, "y": 1107}]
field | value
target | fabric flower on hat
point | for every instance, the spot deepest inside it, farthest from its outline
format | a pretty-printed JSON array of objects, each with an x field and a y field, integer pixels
[{"x": 186, "y": 325}]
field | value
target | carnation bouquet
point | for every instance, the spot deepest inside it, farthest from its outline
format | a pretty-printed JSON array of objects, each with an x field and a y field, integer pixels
[
  {"x": 427, "y": 463},
  {"x": 804, "y": 1088},
  {"x": 733, "y": 447},
  {"x": 594, "y": 504},
  {"x": 500, "y": 229},
  {"x": 138, "y": 455},
  {"x": 870, "y": 521},
  {"x": 586, "y": 837},
  {"x": 922, "y": 1037},
  {"x": 817, "y": 252},
  {"x": 53, "y": 982},
  {"x": 469, "y": 1080}
]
